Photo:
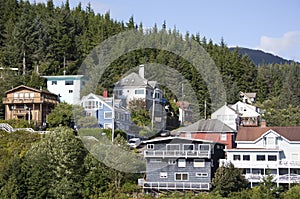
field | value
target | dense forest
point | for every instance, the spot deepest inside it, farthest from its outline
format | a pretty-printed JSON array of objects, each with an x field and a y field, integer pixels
[{"x": 43, "y": 39}]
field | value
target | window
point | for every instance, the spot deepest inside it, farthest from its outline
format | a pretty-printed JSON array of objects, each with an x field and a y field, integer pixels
[
  {"x": 16, "y": 95},
  {"x": 155, "y": 161},
  {"x": 172, "y": 161},
  {"x": 26, "y": 96},
  {"x": 172, "y": 147},
  {"x": 139, "y": 92},
  {"x": 69, "y": 82},
  {"x": 246, "y": 157},
  {"x": 181, "y": 163},
  {"x": 202, "y": 175},
  {"x": 163, "y": 175},
  {"x": 107, "y": 126},
  {"x": 54, "y": 82},
  {"x": 223, "y": 136},
  {"x": 31, "y": 95},
  {"x": 199, "y": 163},
  {"x": 272, "y": 158},
  {"x": 21, "y": 95},
  {"x": 107, "y": 115},
  {"x": 181, "y": 176},
  {"x": 157, "y": 95},
  {"x": 188, "y": 147},
  {"x": 294, "y": 156},
  {"x": 204, "y": 147},
  {"x": 70, "y": 91},
  {"x": 236, "y": 157},
  {"x": 260, "y": 157},
  {"x": 150, "y": 146},
  {"x": 271, "y": 141}
]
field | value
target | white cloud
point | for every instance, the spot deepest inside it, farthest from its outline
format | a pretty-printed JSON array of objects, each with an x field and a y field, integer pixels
[{"x": 286, "y": 46}]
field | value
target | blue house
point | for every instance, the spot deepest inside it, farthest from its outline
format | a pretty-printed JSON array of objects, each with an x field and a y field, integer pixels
[
  {"x": 176, "y": 163},
  {"x": 101, "y": 108}
]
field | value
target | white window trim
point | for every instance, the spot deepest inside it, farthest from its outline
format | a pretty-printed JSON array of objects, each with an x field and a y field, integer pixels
[
  {"x": 106, "y": 124},
  {"x": 173, "y": 145},
  {"x": 188, "y": 145},
  {"x": 107, "y": 117},
  {"x": 150, "y": 148},
  {"x": 199, "y": 161},
  {"x": 181, "y": 163},
  {"x": 223, "y": 136},
  {"x": 202, "y": 175},
  {"x": 199, "y": 145},
  {"x": 172, "y": 161},
  {"x": 181, "y": 176},
  {"x": 163, "y": 175},
  {"x": 155, "y": 160}
]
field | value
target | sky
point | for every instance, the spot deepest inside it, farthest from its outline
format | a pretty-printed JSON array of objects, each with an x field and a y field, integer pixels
[{"x": 271, "y": 26}]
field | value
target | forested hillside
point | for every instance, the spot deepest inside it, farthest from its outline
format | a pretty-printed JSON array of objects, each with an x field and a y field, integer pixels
[{"x": 42, "y": 39}]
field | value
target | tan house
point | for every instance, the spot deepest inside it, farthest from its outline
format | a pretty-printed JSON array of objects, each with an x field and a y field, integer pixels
[{"x": 28, "y": 103}]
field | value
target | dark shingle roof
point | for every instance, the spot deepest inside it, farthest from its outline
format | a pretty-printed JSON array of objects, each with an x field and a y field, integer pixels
[{"x": 211, "y": 125}]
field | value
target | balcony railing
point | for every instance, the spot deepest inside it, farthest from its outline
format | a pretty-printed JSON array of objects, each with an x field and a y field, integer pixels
[
  {"x": 263, "y": 164},
  {"x": 287, "y": 178},
  {"x": 174, "y": 154},
  {"x": 176, "y": 185},
  {"x": 28, "y": 100}
]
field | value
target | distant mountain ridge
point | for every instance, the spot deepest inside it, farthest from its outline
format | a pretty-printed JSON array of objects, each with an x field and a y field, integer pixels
[{"x": 260, "y": 57}]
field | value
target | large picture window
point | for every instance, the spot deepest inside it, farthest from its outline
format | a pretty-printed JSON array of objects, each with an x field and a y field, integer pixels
[{"x": 139, "y": 92}]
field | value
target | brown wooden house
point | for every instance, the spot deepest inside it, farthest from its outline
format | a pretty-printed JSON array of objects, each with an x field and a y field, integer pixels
[{"x": 28, "y": 103}]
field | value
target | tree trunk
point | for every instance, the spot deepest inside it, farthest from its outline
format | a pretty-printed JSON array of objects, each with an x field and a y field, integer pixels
[{"x": 24, "y": 63}]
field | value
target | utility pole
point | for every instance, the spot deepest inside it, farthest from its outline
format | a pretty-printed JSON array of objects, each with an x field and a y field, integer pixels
[
  {"x": 153, "y": 104},
  {"x": 113, "y": 119},
  {"x": 205, "y": 109},
  {"x": 182, "y": 105}
]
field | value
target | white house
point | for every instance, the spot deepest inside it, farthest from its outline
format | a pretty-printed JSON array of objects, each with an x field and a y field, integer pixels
[
  {"x": 67, "y": 87},
  {"x": 134, "y": 86},
  {"x": 248, "y": 98},
  {"x": 249, "y": 115},
  {"x": 262, "y": 149},
  {"x": 227, "y": 115}
]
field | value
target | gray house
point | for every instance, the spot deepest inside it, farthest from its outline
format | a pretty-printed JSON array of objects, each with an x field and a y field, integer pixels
[{"x": 176, "y": 163}]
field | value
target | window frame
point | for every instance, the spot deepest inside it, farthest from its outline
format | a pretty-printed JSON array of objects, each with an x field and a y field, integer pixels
[
  {"x": 106, "y": 112},
  {"x": 181, "y": 176}
]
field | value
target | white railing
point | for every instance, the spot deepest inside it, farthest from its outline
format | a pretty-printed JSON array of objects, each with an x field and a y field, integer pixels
[
  {"x": 170, "y": 154},
  {"x": 6, "y": 127},
  {"x": 289, "y": 163},
  {"x": 176, "y": 185}
]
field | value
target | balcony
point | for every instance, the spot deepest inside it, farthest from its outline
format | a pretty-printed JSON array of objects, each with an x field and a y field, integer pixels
[
  {"x": 251, "y": 164},
  {"x": 287, "y": 178},
  {"x": 289, "y": 164},
  {"x": 177, "y": 154},
  {"x": 37, "y": 100},
  {"x": 176, "y": 185}
]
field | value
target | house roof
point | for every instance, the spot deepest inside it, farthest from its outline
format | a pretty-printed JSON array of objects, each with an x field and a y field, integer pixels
[
  {"x": 250, "y": 95},
  {"x": 29, "y": 88},
  {"x": 62, "y": 77},
  {"x": 177, "y": 138},
  {"x": 133, "y": 79},
  {"x": 253, "y": 133},
  {"x": 210, "y": 125}
]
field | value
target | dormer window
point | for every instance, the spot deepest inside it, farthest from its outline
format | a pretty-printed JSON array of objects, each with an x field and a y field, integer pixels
[{"x": 270, "y": 141}]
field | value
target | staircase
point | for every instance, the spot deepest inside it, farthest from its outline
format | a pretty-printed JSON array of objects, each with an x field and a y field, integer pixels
[{"x": 6, "y": 127}]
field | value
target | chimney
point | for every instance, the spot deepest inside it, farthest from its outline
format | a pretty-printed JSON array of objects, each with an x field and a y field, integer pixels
[
  {"x": 105, "y": 94},
  {"x": 142, "y": 71},
  {"x": 263, "y": 123}
]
